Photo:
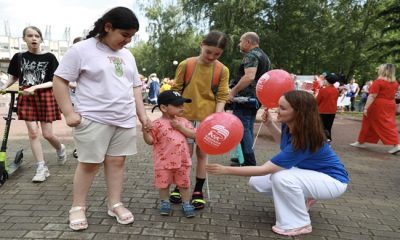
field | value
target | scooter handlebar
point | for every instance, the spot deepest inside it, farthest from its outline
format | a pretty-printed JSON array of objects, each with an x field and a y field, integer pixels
[{"x": 12, "y": 91}]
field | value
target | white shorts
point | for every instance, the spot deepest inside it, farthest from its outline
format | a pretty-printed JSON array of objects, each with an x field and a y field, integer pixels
[{"x": 95, "y": 140}]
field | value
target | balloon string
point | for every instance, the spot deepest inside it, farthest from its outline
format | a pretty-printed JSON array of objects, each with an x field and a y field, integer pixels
[
  {"x": 208, "y": 188},
  {"x": 255, "y": 139}
]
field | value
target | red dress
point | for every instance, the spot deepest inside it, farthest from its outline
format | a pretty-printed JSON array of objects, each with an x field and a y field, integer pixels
[{"x": 381, "y": 121}]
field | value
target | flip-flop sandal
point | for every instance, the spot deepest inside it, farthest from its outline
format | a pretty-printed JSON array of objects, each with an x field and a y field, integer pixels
[
  {"x": 175, "y": 196},
  {"x": 198, "y": 200}
]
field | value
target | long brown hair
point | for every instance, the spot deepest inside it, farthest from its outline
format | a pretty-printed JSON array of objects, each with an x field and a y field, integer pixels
[{"x": 307, "y": 131}]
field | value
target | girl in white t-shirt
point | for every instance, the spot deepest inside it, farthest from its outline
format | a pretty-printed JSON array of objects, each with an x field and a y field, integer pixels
[{"x": 104, "y": 116}]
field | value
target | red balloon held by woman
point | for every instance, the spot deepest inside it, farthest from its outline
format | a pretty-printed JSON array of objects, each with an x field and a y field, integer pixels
[
  {"x": 272, "y": 85},
  {"x": 219, "y": 133}
]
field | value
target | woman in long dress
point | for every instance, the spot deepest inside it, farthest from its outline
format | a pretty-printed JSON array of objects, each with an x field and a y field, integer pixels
[{"x": 379, "y": 119}]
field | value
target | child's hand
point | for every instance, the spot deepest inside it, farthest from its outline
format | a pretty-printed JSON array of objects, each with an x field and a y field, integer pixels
[
  {"x": 145, "y": 129},
  {"x": 147, "y": 124},
  {"x": 215, "y": 169},
  {"x": 176, "y": 124},
  {"x": 73, "y": 119},
  {"x": 28, "y": 91}
]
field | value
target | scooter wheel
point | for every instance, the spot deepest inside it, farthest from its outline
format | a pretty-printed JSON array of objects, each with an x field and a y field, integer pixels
[
  {"x": 3, "y": 174},
  {"x": 75, "y": 154},
  {"x": 18, "y": 157}
]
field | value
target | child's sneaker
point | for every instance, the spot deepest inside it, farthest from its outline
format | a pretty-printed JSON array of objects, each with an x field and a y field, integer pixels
[
  {"x": 165, "y": 208},
  {"x": 42, "y": 173},
  {"x": 62, "y": 155},
  {"x": 188, "y": 210}
]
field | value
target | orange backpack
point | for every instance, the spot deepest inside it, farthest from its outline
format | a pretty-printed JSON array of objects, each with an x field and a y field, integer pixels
[{"x": 216, "y": 76}]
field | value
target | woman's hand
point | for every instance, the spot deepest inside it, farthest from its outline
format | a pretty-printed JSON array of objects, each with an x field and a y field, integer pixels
[
  {"x": 365, "y": 112},
  {"x": 215, "y": 169},
  {"x": 266, "y": 117}
]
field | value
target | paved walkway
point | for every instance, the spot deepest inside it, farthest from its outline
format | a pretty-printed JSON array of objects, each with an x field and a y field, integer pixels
[{"x": 370, "y": 209}]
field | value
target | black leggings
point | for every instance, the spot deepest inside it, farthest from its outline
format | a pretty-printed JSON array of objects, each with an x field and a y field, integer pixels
[{"x": 327, "y": 121}]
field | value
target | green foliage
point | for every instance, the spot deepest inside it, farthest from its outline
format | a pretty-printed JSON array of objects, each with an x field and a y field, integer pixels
[
  {"x": 171, "y": 38},
  {"x": 390, "y": 43},
  {"x": 300, "y": 36}
]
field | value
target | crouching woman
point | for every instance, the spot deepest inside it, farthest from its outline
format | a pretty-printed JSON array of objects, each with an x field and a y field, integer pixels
[{"x": 304, "y": 171}]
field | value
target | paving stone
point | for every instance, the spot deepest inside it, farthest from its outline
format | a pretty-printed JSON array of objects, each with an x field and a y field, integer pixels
[
  {"x": 43, "y": 234},
  {"x": 190, "y": 234},
  {"x": 368, "y": 210},
  {"x": 111, "y": 236},
  {"x": 158, "y": 232},
  {"x": 77, "y": 235}
]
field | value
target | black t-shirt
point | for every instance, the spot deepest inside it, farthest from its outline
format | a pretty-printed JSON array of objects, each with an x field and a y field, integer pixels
[{"x": 33, "y": 69}]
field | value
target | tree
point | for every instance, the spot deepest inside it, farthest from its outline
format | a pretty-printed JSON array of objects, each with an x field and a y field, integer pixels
[
  {"x": 233, "y": 17},
  {"x": 171, "y": 38},
  {"x": 144, "y": 53},
  {"x": 302, "y": 37},
  {"x": 390, "y": 44}
]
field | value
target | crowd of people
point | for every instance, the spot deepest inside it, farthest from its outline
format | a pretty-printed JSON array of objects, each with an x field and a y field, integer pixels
[{"x": 109, "y": 97}]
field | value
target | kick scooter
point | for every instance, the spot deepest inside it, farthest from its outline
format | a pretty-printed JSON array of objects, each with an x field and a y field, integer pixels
[{"x": 6, "y": 169}]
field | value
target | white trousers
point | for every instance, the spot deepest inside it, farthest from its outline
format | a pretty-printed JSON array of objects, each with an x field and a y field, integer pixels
[{"x": 290, "y": 188}]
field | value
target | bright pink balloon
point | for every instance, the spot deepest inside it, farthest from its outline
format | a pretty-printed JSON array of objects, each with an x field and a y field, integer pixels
[
  {"x": 219, "y": 133},
  {"x": 272, "y": 85}
]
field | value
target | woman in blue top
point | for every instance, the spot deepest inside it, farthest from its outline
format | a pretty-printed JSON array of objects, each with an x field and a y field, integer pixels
[{"x": 305, "y": 170}]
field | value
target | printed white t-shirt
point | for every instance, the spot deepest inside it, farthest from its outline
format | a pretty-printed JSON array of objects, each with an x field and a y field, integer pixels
[{"x": 105, "y": 80}]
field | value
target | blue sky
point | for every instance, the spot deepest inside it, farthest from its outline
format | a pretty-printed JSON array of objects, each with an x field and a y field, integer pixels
[{"x": 78, "y": 15}]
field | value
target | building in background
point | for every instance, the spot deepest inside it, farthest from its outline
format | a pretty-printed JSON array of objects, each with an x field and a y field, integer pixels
[{"x": 11, "y": 45}]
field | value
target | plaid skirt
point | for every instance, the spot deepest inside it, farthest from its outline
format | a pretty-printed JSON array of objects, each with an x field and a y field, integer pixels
[{"x": 40, "y": 107}]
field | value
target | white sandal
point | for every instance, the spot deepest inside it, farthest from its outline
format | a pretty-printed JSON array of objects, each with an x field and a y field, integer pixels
[
  {"x": 126, "y": 218},
  {"x": 80, "y": 223}
]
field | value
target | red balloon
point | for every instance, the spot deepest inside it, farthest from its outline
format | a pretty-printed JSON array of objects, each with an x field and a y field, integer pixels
[
  {"x": 272, "y": 85},
  {"x": 219, "y": 133}
]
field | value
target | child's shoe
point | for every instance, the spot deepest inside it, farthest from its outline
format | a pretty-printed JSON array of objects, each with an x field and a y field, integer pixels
[
  {"x": 198, "y": 201},
  {"x": 42, "y": 172},
  {"x": 62, "y": 155},
  {"x": 165, "y": 208},
  {"x": 188, "y": 210}
]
